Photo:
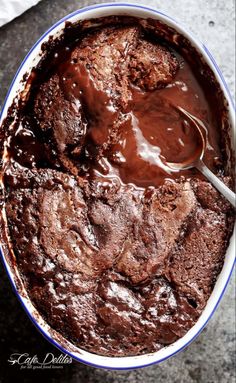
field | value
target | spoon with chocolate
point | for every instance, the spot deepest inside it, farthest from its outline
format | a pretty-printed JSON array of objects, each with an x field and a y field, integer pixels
[{"x": 196, "y": 159}]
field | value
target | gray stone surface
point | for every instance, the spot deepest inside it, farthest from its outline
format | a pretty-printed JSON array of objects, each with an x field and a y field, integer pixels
[{"x": 210, "y": 359}]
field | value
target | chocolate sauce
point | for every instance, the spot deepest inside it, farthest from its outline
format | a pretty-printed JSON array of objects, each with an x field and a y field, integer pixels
[
  {"x": 152, "y": 131},
  {"x": 79, "y": 88}
]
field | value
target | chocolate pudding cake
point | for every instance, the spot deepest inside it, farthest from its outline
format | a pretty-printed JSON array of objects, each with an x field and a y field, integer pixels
[{"x": 117, "y": 252}]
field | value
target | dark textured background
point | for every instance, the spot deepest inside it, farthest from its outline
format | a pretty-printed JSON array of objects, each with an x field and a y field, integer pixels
[{"x": 210, "y": 359}]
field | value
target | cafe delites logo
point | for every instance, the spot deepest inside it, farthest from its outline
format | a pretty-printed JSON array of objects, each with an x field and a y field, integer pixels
[{"x": 48, "y": 361}]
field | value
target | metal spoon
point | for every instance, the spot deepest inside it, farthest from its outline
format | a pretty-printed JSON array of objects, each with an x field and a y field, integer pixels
[{"x": 197, "y": 162}]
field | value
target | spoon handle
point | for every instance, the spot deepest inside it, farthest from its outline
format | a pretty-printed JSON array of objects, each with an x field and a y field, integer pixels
[{"x": 219, "y": 185}]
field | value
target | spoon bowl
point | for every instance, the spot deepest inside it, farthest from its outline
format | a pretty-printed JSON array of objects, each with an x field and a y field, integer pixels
[
  {"x": 198, "y": 154},
  {"x": 196, "y": 160}
]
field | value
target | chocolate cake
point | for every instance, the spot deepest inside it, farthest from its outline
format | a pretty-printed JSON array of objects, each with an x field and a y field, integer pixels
[{"x": 118, "y": 252}]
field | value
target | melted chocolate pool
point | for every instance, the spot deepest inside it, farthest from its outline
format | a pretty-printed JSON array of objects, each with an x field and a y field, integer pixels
[{"x": 152, "y": 130}]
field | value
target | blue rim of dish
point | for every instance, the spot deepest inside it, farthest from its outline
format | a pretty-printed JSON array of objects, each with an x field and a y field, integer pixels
[{"x": 52, "y": 341}]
